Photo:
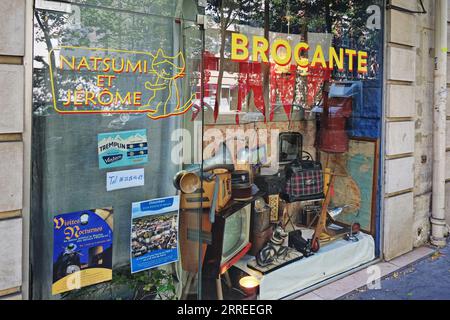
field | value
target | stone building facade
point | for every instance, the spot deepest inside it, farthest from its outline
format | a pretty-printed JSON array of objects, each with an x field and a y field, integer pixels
[{"x": 15, "y": 124}]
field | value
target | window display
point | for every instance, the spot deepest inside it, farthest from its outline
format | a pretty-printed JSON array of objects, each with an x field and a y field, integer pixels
[
  {"x": 304, "y": 80},
  {"x": 239, "y": 155}
]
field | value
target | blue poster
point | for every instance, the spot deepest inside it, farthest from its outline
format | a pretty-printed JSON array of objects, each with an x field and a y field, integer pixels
[
  {"x": 82, "y": 249},
  {"x": 154, "y": 233},
  {"x": 119, "y": 149}
]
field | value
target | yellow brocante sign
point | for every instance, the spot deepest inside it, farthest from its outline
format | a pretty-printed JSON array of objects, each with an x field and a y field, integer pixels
[{"x": 282, "y": 53}]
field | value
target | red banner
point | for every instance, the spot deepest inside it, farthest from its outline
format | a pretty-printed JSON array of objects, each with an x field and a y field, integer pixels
[
  {"x": 282, "y": 85},
  {"x": 251, "y": 78}
]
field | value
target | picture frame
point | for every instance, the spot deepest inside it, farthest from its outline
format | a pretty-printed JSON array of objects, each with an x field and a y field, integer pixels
[{"x": 359, "y": 189}]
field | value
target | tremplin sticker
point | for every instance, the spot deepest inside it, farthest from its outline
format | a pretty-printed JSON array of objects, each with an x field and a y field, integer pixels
[
  {"x": 82, "y": 249},
  {"x": 119, "y": 149}
]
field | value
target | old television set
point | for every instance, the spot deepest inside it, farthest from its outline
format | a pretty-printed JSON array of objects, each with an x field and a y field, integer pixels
[{"x": 230, "y": 238}]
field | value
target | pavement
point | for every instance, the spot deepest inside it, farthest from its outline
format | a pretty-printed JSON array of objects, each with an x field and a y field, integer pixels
[
  {"x": 422, "y": 274},
  {"x": 426, "y": 279}
]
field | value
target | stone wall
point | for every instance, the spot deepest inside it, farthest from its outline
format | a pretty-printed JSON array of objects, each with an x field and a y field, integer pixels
[
  {"x": 409, "y": 129},
  {"x": 409, "y": 121},
  {"x": 12, "y": 102},
  {"x": 447, "y": 210}
]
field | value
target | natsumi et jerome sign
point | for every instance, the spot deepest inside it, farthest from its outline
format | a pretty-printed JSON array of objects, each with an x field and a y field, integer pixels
[{"x": 92, "y": 80}]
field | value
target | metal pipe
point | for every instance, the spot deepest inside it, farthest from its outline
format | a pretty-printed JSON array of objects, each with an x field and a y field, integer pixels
[{"x": 438, "y": 224}]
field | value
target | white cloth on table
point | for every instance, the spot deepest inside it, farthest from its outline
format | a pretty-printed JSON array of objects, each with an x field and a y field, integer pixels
[{"x": 332, "y": 259}]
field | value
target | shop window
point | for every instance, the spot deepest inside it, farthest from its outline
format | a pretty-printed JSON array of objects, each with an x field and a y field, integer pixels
[
  {"x": 257, "y": 178},
  {"x": 110, "y": 81},
  {"x": 307, "y": 74}
]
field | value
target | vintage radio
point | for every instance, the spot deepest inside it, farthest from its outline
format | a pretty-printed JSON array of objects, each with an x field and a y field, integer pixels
[
  {"x": 200, "y": 186},
  {"x": 204, "y": 198},
  {"x": 241, "y": 185}
]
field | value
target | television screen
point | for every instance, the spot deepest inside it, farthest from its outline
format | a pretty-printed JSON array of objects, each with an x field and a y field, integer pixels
[{"x": 236, "y": 233}]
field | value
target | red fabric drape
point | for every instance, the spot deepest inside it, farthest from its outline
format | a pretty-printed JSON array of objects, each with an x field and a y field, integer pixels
[
  {"x": 250, "y": 78},
  {"x": 282, "y": 84},
  {"x": 317, "y": 75}
]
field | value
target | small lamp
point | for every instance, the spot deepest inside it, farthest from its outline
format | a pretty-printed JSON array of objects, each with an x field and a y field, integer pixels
[{"x": 250, "y": 286}]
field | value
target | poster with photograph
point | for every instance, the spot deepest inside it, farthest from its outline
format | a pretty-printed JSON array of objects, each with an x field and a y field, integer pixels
[
  {"x": 154, "y": 233},
  {"x": 82, "y": 249},
  {"x": 119, "y": 149}
]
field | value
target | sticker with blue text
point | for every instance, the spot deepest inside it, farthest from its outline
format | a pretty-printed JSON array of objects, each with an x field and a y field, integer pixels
[{"x": 120, "y": 149}]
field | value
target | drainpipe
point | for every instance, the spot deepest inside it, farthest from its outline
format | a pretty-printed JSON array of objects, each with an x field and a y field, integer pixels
[{"x": 438, "y": 224}]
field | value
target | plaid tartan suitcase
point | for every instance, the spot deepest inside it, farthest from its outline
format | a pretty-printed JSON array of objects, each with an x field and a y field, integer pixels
[{"x": 304, "y": 181}]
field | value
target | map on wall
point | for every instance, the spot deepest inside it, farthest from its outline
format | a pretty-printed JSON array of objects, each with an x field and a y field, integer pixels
[{"x": 358, "y": 190}]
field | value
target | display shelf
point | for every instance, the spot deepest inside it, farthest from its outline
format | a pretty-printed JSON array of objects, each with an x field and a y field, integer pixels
[{"x": 333, "y": 259}]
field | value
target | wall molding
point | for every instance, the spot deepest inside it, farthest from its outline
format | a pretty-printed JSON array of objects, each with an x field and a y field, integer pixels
[
  {"x": 10, "y": 137},
  {"x": 398, "y": 193},
  {"x": 11, "y": 60},
  {"x": 400, "y": 46},
  {"x": 400, "y": 119},
  {"x": 10, "y": 214},
  {"x": 10, "y": 291},
  {"x": 399, "y": 156},
  {"x": 399, "y": 82}
]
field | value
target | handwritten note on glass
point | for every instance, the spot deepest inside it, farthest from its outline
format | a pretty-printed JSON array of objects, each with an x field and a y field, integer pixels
[{"x": 124, "y": 179}]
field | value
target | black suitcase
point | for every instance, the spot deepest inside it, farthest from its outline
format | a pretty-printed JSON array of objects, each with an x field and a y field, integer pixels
[{"x": 271, "y": 185}]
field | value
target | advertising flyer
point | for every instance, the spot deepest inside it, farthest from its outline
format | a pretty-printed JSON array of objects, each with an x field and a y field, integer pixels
[
  {"x": 119, "y": 149},
  {"x": 82, "y": 249},
  {"x": 154, "y": 233}
]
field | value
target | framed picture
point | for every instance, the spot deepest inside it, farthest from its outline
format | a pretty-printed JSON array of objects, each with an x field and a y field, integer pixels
[{"x": 358, "y": 190}]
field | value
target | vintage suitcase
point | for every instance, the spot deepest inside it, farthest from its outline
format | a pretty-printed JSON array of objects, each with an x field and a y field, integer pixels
[
  {"x": 271, "y": 185},
  {"x": 304, "y": 181}
]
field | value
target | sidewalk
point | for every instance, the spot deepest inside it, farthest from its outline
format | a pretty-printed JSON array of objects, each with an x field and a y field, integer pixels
[
  {"x": 427, "y": 279},
  {"x": 423, "y": 273}
]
